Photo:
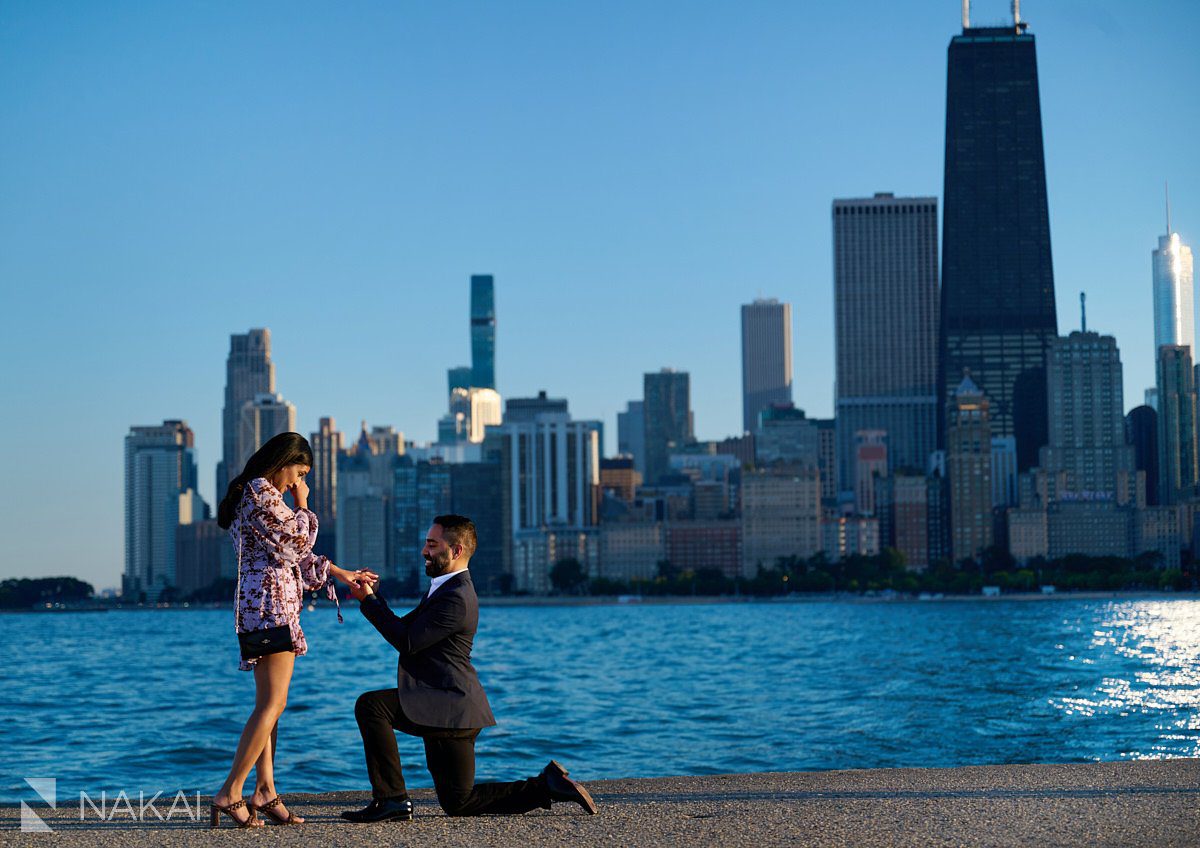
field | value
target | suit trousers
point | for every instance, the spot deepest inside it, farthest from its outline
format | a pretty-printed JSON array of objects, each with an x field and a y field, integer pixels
[{"x": 450, "y": 754}]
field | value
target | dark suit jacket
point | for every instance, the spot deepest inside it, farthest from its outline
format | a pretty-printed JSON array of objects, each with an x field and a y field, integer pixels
[{"x": 438, "y": 685}]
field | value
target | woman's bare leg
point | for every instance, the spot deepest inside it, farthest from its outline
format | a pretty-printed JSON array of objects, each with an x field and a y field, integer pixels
[
  {"x": 264, "y": 772},
  {"x": 272, "y": 674}
]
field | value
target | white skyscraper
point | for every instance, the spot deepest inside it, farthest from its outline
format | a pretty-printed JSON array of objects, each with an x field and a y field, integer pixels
[
  {"x": 550, "y": 487},
  {"x": 160, "y": 494},
  {"x": 1174, "y": 305}
]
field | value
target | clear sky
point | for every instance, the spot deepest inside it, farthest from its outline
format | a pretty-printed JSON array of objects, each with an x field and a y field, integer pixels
[{"x": 630, "y": 172}]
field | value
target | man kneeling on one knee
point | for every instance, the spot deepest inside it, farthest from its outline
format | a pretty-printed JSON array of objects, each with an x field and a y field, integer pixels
[{"x": 438, "y": 697}]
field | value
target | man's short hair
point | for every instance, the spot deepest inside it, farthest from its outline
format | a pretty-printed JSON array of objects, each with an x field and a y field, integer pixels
[{"x": 458, "y": 530}]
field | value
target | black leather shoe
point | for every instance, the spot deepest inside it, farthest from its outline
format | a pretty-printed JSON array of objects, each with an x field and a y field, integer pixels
[
  {"x": 381, "y": 810},
  {"x": 562, "y": 788}
]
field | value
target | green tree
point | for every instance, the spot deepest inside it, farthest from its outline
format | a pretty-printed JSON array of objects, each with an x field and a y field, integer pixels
[
  {"x": 568, "y": 575},
  {"x": 606, "y": 586},
  {"x": 22, "y": 593}
]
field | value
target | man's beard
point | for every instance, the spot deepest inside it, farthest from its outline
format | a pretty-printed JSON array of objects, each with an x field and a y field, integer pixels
[{"x": 438, "y": 565}]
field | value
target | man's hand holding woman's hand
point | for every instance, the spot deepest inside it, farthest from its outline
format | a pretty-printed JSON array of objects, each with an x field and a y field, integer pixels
[
  {"x": 351, "y": 577},
  {"x": 362, "y": 587}
]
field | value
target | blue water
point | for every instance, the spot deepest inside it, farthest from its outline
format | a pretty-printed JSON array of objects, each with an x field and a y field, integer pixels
[{"x": 153, "y": 700}]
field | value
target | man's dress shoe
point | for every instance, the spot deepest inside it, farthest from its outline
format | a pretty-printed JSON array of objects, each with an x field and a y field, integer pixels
[
  {"x": 562, "y": 788},
  {"x": 381, "y": 810}
]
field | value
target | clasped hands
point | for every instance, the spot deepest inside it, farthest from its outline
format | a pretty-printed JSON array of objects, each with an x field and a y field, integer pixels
[
  {"x": 363, "y": 585},
  {"x": 361, "y": 582}
]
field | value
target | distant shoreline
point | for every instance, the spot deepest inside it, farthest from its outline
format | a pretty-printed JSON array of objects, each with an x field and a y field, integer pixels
[{"x": 695, "y": 600}]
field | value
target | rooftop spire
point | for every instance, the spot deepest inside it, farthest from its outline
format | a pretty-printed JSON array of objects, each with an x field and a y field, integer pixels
[
  {"x": 1083, "y": 311},
  {"x": 1167, "y": 192},
  {"x": 966, "y": 14}
]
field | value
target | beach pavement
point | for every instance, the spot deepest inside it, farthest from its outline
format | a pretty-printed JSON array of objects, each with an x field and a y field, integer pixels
[{"x": 1153, "y": 803}]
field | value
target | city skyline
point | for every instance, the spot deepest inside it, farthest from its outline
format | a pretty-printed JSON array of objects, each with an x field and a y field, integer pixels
[{"x": 138, "y": 336}]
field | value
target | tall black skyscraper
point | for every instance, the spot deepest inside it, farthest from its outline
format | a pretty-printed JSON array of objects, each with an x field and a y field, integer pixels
[
  {"x": 483, "y": 331},
  {"x": 997, "y": 316},
  {"x": 1141, "y": 431}
]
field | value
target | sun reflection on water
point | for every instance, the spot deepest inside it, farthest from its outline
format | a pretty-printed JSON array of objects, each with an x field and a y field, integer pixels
[{"x": 1157, "y": 646}]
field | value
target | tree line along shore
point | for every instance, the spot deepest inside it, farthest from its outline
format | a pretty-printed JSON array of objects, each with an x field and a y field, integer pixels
[{"x": 883, "y": 573}]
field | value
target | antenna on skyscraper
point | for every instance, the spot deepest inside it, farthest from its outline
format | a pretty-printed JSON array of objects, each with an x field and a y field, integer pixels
[
  {"x": 966, "y": 14},
  {"x": 1167, "y": 192},
  {"x": 1016, "y": 12},
  {"x": 1083, "y": 311}
]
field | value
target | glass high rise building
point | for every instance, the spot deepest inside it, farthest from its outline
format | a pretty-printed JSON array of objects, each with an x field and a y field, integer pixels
[
  {"x": 160, "y": 495},
  {"x": 1177, "y": 463},
  {"x": 1174, "y": 304},
  {"x": 483, "y": 331},
  {"x": 667, "y": 418},
  {"x": 997, "y": 304}
]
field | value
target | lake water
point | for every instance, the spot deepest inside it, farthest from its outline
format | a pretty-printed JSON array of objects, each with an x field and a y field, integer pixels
[{"x": 153, "y": 700}]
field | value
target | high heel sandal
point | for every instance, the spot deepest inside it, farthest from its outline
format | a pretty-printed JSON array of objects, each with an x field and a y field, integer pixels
[
  {"x": 215, "y": 811},
  {"x": 269, "y": 809}
]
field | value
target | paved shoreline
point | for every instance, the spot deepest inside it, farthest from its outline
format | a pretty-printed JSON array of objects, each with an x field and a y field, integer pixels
[{"x": 1094, "y": 804}]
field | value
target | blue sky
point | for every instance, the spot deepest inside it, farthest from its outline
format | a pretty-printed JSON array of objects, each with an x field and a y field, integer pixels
[{"x": 630, "y": 172}]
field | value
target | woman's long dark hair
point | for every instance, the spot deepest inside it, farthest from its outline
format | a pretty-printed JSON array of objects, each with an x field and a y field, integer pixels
[{"x": 279, "y": 452}]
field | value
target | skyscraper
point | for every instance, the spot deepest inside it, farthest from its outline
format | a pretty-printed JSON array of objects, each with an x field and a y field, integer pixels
[
  {"x": 997, "y": 307},
  {"x": 459, "y": 377},
  {"x": 249, "y": 372},
  {"x": 631, "y": 434},
  {"x": 365, "y": 481},
  {"x": 1141, "y": 431},
  {"x": 969, "y": 467},
  {"x": 326, "y": 443},
  {"x": 421, "y": 490},
  {"x": 886, "y": 327},
  {"x": 550, "y": 480},
  {"x": 766, "y": 358},
  {"x": 1174, "y": 303},
  {"x": 483, "y": 331},
  {"x": 1177, "y": 465},
  {"x": 476, "y": 492},
  {"x": 160, "y": 494},
  {"x": 667, "y": 411},
  {"x": 471, "y": 411},
  {"x": 1087, "y": 419},
  {"x": 262, "y": 417}
]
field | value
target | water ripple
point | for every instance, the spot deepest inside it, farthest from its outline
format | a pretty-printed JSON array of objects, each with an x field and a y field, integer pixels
[{"x": 623, "y": 690}]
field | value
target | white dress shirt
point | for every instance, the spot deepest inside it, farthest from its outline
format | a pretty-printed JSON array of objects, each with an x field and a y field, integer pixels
[{"x": 438, "y": 581}]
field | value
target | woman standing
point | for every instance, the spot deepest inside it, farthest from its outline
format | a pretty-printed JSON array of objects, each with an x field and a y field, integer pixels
[{"x": 275, "y": 566}]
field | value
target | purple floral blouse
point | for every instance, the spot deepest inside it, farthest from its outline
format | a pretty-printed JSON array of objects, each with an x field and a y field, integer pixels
[{"x": 275, "y": 563}]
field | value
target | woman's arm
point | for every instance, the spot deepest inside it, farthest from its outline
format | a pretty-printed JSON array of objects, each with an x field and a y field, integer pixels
[{"x": 288, "y": 536}]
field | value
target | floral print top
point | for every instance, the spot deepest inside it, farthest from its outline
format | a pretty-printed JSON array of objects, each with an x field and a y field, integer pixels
[{"x": 275, "y": 563}]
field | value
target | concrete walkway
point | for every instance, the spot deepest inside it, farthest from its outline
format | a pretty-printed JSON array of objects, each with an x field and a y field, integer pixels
[{"x": 1153, "y": 803}]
